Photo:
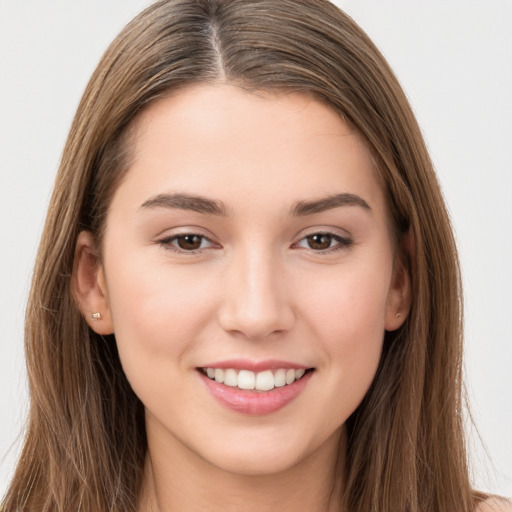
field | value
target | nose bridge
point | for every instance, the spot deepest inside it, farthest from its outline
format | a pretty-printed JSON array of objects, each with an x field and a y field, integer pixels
[{"x": 255, "y": 299}]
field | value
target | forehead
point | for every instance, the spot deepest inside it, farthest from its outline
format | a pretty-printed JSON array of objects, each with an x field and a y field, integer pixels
[{"x": 222, "y": 141}]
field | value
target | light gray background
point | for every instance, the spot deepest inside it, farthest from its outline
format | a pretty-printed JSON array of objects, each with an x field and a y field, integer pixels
[{"x": 454, "y": 59}]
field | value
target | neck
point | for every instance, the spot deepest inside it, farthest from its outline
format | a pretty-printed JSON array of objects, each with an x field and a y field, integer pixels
[{"x": 178, "y": 480}]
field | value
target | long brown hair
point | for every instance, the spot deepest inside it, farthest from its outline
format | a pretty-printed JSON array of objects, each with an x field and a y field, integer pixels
[{"x": 85, "y": 442}]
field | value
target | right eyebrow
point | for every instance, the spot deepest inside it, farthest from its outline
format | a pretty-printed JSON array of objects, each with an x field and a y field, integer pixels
[{"x": 186, "y": 202}]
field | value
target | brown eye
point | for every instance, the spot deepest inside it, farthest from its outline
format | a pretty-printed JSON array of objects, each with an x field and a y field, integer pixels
[
  {"x": 325, "y": 243},
  {"x": 189, "y": 242},
  {"x": 319, "y": 241}
]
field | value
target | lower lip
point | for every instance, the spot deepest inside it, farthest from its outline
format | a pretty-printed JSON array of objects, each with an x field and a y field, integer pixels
[{"x": 255, "y": 402}]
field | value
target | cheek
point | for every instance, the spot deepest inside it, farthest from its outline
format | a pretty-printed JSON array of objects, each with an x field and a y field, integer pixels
[
  {"x": 158, "y": 315},
  {"x": 352, "y": 301},
  {"x": 346, "y": 313},
  {"x": 159, "y": 310}
]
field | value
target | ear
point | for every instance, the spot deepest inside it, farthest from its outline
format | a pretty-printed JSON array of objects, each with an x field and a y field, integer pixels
[
  {"x": 89, "y": 287},
  {"x": 399, "y": 297}
]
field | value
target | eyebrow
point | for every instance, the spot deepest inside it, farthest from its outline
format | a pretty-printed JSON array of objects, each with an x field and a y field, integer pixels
[
  {"x": 303, "y": 208},
  {"x": 207, "y": 206},
  {"x": 186, "y": 202}
]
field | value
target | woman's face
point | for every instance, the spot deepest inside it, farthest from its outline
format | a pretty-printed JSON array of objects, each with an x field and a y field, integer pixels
[{"x": 249, "y": 240}]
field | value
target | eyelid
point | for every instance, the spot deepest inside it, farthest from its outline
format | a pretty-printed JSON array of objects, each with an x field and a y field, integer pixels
[
  {"x": 344, "y": 240},
  {"x": 181, "y": 230},
  {"x": 167, "y": 240}
]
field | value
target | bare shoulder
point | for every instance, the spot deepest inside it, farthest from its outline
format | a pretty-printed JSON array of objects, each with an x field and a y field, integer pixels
[{"x": 495, "y": 505}]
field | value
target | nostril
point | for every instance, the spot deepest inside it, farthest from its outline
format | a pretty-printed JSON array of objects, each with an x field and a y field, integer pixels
[{"x": 257, "y": 324}]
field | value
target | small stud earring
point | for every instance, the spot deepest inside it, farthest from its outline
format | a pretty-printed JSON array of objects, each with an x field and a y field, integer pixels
[
  {"x": 96, "y": 316},
  {"x": 398, "y": 315}
]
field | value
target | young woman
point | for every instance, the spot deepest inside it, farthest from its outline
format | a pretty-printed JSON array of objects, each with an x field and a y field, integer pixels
[{"x": 247, "y": 294}]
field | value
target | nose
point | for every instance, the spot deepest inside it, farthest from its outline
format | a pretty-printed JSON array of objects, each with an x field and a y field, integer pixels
[{"x": 255, "y": 299}]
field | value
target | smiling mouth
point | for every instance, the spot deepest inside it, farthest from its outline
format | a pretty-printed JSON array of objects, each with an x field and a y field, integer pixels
[{"x": 255, "y": 381}]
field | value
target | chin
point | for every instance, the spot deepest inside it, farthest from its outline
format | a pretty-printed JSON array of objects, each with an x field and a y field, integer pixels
[
  {"x": 262, "y": 463},
  {"x": 262, "y": 455}
]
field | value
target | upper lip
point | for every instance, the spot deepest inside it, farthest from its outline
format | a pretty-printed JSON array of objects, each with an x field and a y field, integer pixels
[{"x": 255, "y": 366}]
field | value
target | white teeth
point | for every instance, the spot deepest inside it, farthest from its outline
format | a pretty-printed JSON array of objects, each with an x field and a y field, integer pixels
[
  {"x": 219, "y": 375},
  {"x": 230, "y": 378},
  {"x": 246, "y": 379},
  {"x": 280, "y": 378},
  {"x": 265, "y": 381},
  {"x": 262, "y": 381}
]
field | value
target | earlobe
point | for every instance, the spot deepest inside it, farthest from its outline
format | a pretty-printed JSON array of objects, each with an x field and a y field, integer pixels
[
  {"x": 89, "y": 287},
  {"x": 399, "y": 298}
]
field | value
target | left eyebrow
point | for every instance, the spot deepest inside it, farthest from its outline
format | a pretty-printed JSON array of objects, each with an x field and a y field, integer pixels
[{"x": 302, "y": 208}]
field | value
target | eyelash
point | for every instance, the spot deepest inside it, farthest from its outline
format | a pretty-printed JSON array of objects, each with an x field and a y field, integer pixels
[
  {"x": 171, "y": 242},
  {"x": 342, "y": 243}
]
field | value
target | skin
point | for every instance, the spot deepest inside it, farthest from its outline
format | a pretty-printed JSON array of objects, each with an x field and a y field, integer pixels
[{"x": 255, "y": 289}]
